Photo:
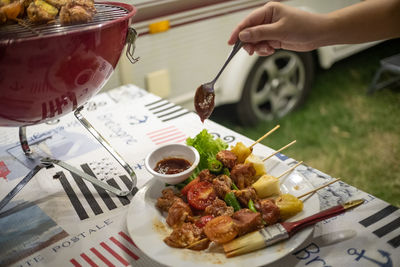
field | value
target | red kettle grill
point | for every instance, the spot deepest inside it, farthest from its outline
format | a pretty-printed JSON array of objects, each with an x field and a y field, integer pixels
[{"x": 47, "y": 71}]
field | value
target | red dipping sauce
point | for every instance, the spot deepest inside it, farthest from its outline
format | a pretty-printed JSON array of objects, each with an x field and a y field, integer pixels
[{"x": 172, "y": 165}]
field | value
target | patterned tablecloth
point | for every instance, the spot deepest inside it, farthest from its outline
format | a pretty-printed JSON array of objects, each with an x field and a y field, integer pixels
[{"x": 66, "y": 221}]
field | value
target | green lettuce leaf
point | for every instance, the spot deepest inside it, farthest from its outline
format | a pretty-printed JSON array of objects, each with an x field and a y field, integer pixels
[{"x": 207, "y": 147}]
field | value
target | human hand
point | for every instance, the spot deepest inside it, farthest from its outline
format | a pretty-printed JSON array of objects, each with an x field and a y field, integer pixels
[{"x": 278, "y": 26}]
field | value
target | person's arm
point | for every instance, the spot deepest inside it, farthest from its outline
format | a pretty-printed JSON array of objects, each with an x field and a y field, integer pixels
[
  {"x": 276, "y": 25},
  {"x": 364, "y": 22}
]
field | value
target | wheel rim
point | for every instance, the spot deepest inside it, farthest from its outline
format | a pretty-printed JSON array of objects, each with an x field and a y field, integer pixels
[{"x": 277, "y": 85}]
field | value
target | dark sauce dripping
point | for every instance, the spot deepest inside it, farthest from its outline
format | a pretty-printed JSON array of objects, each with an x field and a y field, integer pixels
[
  {"x": 172, "y": 165},
  {"x": 204, "y": 103}
]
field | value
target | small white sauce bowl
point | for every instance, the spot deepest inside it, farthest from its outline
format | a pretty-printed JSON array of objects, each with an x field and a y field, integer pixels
[{"x": 182, "y": 151}]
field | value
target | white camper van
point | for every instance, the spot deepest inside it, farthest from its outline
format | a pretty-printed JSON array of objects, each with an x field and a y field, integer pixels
[{"x": 183, "y": 43}]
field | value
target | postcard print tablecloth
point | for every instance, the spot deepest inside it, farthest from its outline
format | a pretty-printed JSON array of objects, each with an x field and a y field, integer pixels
[{"x": 59, "y": 219}]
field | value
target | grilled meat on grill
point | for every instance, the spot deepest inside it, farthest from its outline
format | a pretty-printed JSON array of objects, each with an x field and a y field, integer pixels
[
  {"x": 57, "y": 3},
  {"x": 10, "y": 10},
  {"x": 44, "y": 11},
  {"x": 40, "y": 11},
  {"x": 3, "y": 17},
  {"x": 77, "y": 11}
]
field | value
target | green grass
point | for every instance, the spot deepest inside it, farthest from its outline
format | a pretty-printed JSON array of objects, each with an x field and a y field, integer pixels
[{"x": 342, "y": 131}]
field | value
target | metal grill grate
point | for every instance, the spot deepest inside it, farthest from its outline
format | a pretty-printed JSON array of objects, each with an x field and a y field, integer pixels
[{"x": 26, "y": 29}]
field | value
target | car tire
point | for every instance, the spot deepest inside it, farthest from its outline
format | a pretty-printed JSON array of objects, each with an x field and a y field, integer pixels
[{"x": 275, "y": 86}]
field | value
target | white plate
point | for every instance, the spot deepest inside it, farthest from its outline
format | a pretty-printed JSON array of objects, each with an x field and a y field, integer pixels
[{"x": 147, "y": 227}]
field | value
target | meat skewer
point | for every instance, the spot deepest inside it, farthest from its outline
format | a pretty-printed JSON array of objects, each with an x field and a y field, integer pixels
[
  {"x": 203, "y": 241},
  {"x": 257, "y": 162},
  {"x": 281, "y": 231}
]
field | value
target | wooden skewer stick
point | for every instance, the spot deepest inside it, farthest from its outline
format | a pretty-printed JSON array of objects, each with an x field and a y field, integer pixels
[
  {"x": 291, "y": 169},
  {"x": 318, "y": 188},
  {"x": 279, "y": 150},
  {"x": 264, "y": 136}
]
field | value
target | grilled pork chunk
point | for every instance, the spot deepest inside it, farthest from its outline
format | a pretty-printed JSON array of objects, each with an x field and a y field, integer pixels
[
  {"x": 218, "y": 208},
  {"x": 243, "y": 175},
  {"x": 178, "y": 213},
  {"x": 222, "y": 185},
  {"x": 247, "y": 221},
  {"x": 227, "y": 158},
  {"x": 167, "y": 199},
  {"x": 184, "y": 236},
  {"x": 269, "y": 210},
  {"x": 245, "y": 195},
  {"x": 205, "y": 175}
]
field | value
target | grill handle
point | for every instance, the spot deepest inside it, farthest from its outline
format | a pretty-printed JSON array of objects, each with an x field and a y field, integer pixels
[{"x": 130, "y": 40}]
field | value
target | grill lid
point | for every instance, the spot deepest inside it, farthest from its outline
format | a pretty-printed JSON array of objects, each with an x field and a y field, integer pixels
[{"x": 26, "y": 29}]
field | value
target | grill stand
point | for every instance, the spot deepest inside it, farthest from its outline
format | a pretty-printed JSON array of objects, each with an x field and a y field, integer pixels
[{"x": 46, "y": 162}]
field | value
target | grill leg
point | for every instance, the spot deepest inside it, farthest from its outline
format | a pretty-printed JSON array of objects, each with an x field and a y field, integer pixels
[
  {"x": 24, "y": 142},
  {"x": 105, "y": 144}
]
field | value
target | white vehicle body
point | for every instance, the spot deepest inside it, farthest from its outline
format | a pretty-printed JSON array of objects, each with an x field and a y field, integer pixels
[{"x": 174, "y": 62}]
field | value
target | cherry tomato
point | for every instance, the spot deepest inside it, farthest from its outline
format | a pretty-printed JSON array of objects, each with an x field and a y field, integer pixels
[
  {"x": 221, "y": 229},
  {"x": 185, "y": 190},
  {"x": 203, "y": 220},
  {"x": 201, "y": 195}
]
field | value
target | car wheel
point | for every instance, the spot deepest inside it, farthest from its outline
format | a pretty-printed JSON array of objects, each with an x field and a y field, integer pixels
[{"x": 275, "y": 86}]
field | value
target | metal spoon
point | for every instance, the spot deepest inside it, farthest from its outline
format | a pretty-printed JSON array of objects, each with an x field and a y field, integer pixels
[{"x": 205, "y": 95}]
